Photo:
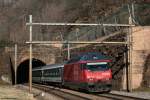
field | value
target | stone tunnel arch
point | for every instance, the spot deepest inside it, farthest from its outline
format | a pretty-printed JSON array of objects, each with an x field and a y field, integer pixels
[{"x": 23, "y": 69}]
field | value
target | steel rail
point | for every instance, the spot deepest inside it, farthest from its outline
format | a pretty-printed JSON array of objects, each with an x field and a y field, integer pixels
[
  {"x": 73, "y": 42},
  {"x": 82, "y": 24}
]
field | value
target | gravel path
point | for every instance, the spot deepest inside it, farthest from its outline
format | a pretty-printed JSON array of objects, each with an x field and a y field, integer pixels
[
  {"x": 144, "y": 95},
  {"x": 38, "y": 94}
]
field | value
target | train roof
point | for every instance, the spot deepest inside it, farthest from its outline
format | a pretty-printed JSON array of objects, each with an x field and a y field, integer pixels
[
  {"x": 36, "y": 68},
  {"x": 92, "y": 56},
  {"x": 89, "y": 56},
  {"x": 51, "y": 66}
]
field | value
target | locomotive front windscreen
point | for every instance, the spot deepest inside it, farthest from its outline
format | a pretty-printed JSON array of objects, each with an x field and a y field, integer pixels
[{"x": 102, "y": 66}]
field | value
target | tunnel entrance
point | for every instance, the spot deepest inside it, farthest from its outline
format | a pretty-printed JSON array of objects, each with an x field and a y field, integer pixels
[{"x": 23, "y": 70}]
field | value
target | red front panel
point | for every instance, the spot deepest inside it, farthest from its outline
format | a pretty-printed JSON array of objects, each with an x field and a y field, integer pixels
[{"x": 94, "y": 76}]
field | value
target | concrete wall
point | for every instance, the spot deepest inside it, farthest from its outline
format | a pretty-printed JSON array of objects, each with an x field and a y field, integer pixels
[{"x": 140, "y": 51}]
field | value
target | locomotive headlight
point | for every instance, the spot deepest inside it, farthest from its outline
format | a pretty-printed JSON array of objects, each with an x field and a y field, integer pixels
[
  {"x": 90, "y": 79},
  {"x": 106, "y": 74},
  {"x": 107, "y": 79}
]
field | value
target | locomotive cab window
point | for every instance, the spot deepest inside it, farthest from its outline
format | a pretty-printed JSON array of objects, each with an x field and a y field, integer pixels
[{"x": 101, "y": 66}]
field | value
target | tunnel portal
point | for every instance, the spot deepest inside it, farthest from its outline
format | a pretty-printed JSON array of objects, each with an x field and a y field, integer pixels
[{"x": 23, "y": 70}]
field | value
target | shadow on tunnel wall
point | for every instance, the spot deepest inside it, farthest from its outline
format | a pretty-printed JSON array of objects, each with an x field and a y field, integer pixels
[
  {"x": 12, "y": 71},
  {"x": 146, "y": 73},
  {"x": 23, "y": 70},
  {"x": 118, "y": 65}
]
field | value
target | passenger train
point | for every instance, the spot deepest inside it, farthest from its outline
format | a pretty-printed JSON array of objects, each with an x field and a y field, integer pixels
[{"x": 88, "y": 71}]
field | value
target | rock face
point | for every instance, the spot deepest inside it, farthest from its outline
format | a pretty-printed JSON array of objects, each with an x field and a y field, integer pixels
[{"x": 16, "y": 13}]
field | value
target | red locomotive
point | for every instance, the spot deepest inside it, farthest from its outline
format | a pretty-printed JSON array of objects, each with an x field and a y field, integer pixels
[{"x": 87, "y": 71}]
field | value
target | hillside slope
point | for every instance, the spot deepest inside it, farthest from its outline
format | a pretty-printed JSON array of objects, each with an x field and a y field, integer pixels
[{"x": 14, "y": 15}]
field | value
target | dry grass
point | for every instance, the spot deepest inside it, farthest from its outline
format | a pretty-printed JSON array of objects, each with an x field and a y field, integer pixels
[
  {"x": 3, "y": 83},
  {"x": 142, "y": 89},
  {"x": 9, "y": 92}
]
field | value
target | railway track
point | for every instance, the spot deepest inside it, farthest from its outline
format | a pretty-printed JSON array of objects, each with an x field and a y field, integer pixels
[
  {"x": 120, "y": 97},
  {"x": 75, "y": 95},
  {"x": 59, "y": 92}
]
